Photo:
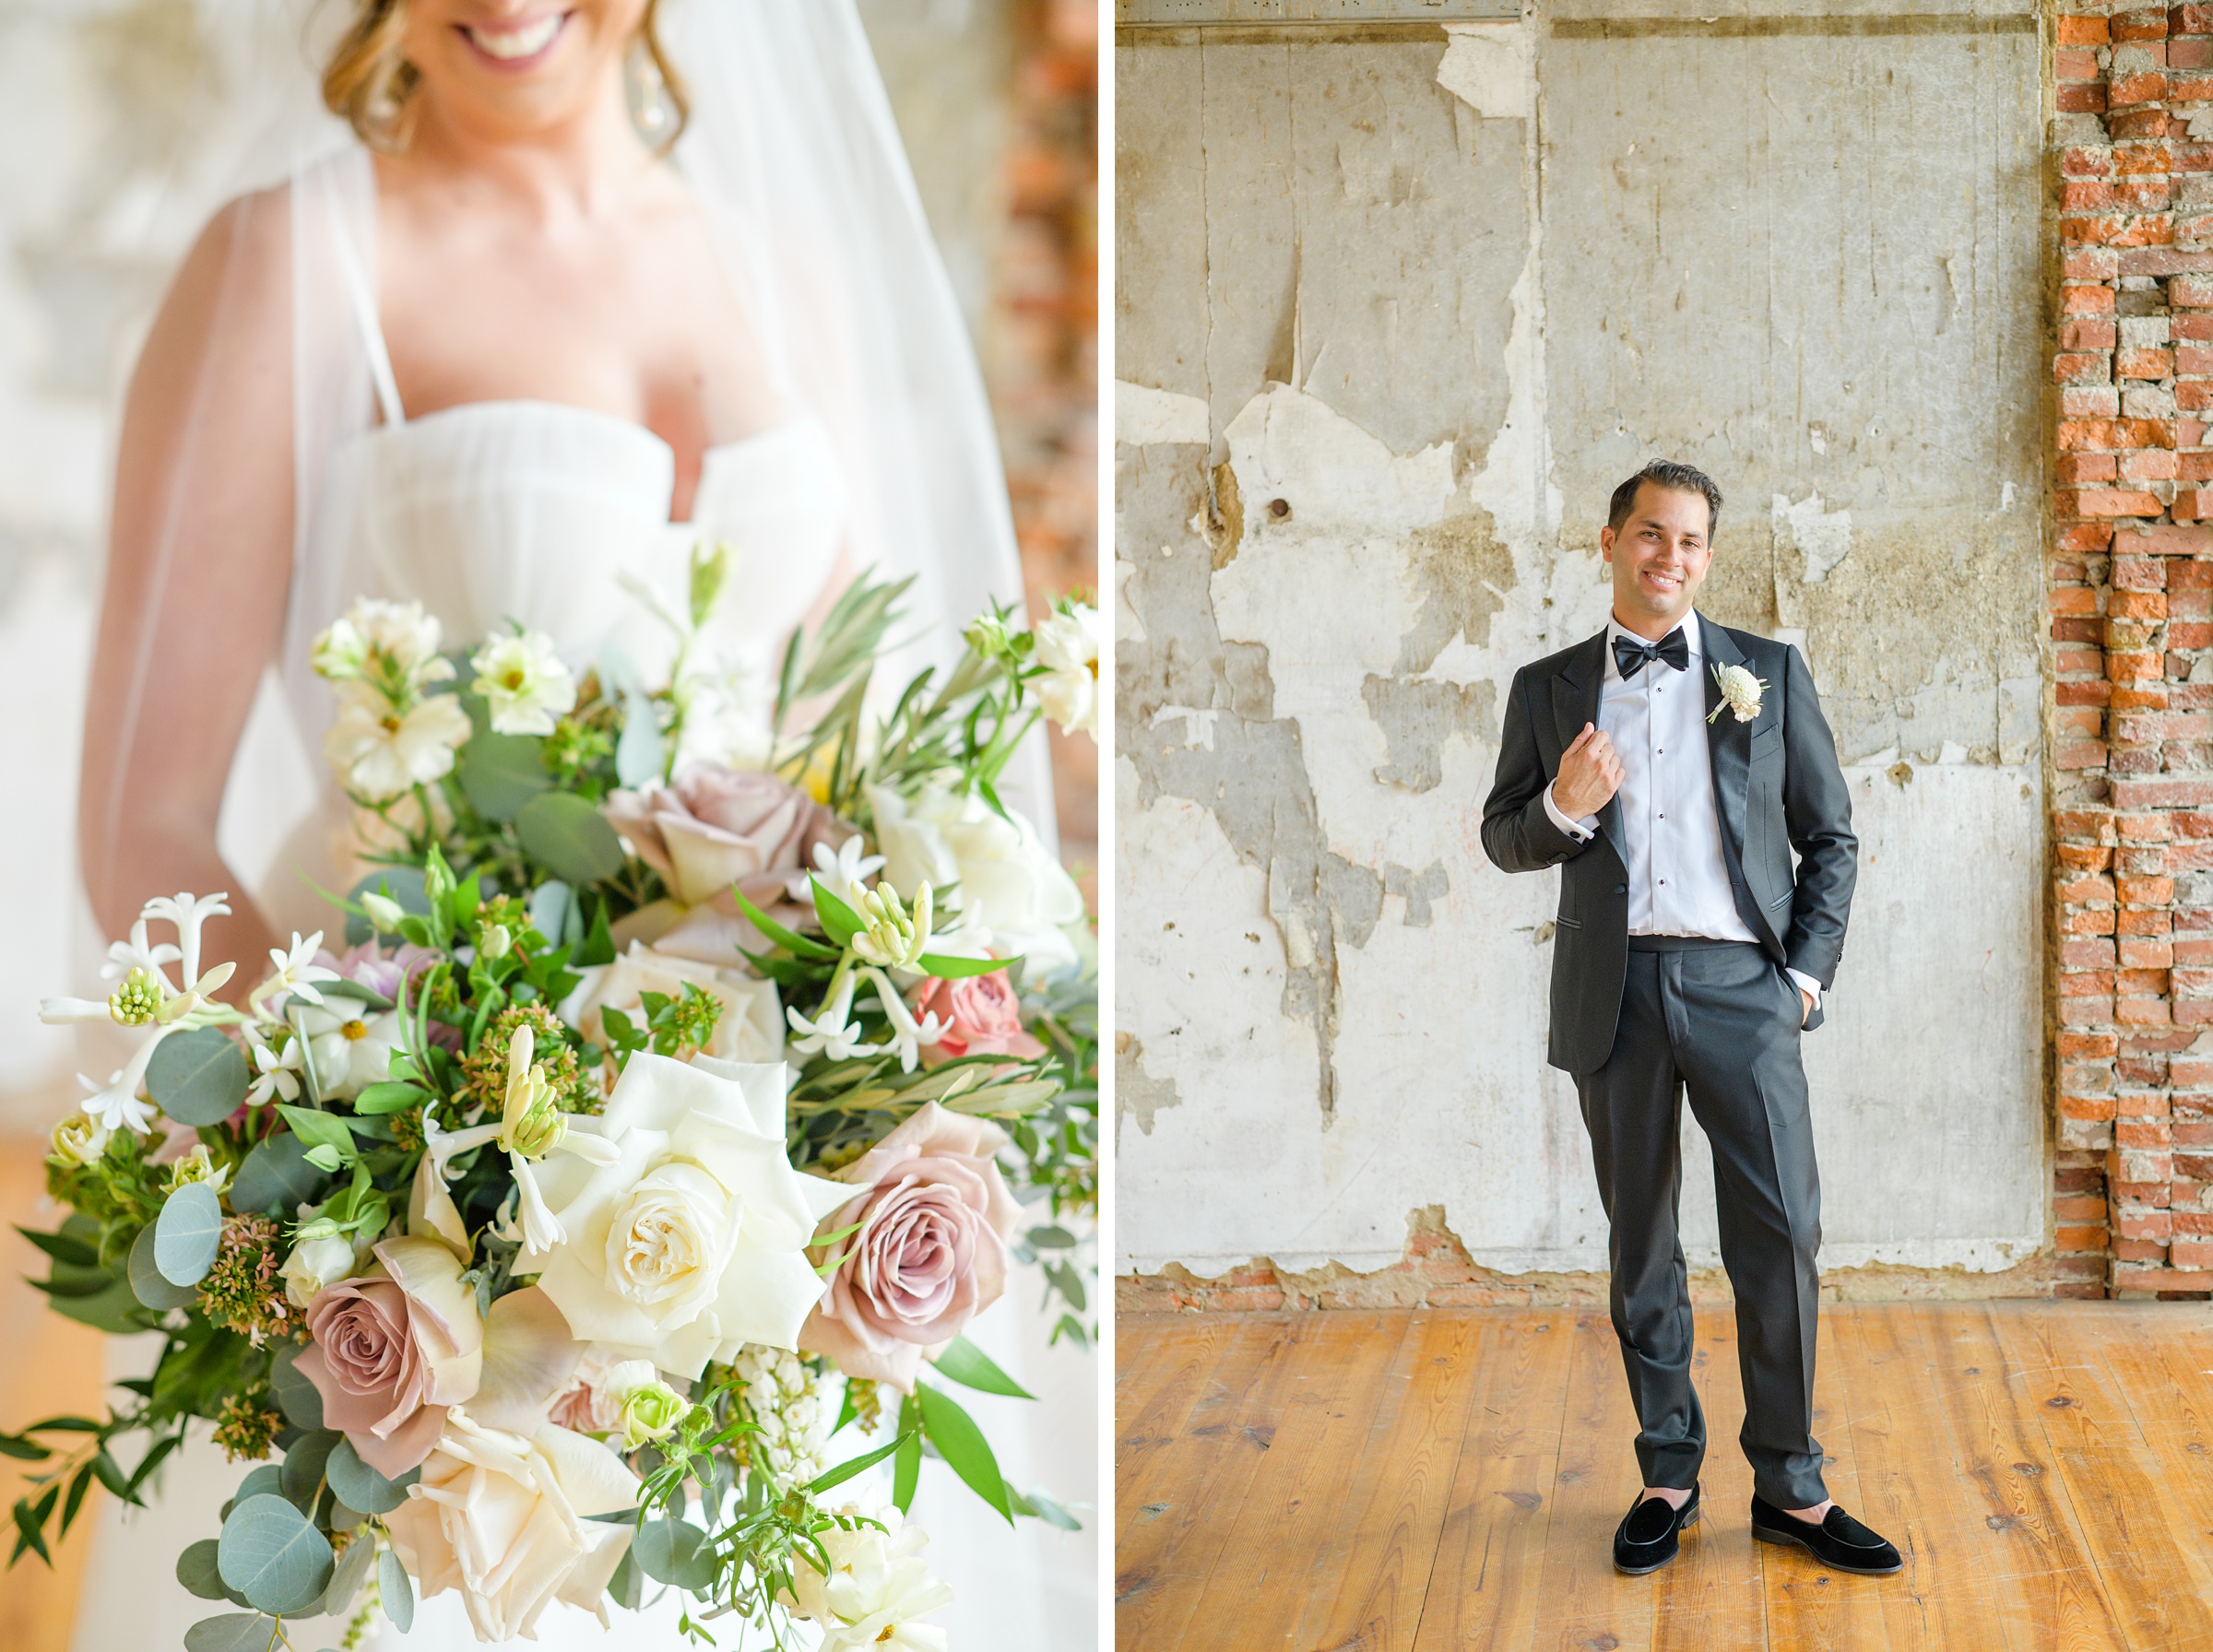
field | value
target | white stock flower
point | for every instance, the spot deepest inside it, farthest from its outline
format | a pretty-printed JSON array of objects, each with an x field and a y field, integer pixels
[
  {"x": 692, "y": 1242},
  {"x": 943, "y": 839},
  {"x": 524, "y": 682},
  {"x": 786, "y": 1401},
  {"x": 503, "y": 1518},
  {"x": 1740, "y": 692},
  {"x": 314, "y": 1264},
  {"x": 383, "y": 753},
  {"x": 348, "y": 1048},
  {"x": 295, "y": 972},
  {"x": 405, "y": 633},
  {"x": 831, "y": 1028},
  {"x": 877, "y": 1586},
  {"x": 277, "y": 1076},
  {"x": 846, "y": 872},
  {"x": 1068, "y": 647},
  {"x": 340, "y": 652}
]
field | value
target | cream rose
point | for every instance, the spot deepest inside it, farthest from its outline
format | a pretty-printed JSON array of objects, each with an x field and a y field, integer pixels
[
  {"x": 751, "y": 1025},
  {"x": 503, "y": 1518},
  {"x": 1000, "y": 867},
  {"x": 691, "y": 1243},
  {"x": 934, "y": 1216}
]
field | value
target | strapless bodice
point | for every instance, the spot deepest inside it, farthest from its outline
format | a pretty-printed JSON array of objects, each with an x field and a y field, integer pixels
[{"x": 534, "y": 511}]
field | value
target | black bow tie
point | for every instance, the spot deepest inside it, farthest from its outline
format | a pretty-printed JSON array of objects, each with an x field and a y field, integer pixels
[{"x": 1631, "y": 656}]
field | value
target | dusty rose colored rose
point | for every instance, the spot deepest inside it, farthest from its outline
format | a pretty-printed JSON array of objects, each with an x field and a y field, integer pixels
[
  {"x": 981, "y": 1015},
  {"x": 393, "y": 1350},
  {"x": 717, "y": 826},
  {"x": 932, "y": 1251},
  {"x": 367, "y": 965}
]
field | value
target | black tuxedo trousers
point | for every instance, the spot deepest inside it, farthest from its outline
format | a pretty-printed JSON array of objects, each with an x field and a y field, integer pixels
[{"x": 1644, "y": 1022}]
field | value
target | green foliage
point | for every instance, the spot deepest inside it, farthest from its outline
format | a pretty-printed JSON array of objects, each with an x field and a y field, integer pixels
[
  {"x": 198, "y": 1076},
  {"x": 271, "y": 1554},
  {"x": 965, "y": 1363}
]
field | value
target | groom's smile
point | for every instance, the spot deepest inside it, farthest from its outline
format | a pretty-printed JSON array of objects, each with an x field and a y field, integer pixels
[{"x": 1659, "y": 556}]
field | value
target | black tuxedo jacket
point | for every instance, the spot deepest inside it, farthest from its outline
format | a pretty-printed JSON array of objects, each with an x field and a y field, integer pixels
[{"x": 1777, "y": 787}]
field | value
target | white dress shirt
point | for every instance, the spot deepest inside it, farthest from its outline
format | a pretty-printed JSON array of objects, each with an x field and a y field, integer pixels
[{"x": 1671, "y": 829}]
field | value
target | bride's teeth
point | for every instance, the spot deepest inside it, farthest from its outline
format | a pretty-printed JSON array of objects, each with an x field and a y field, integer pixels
[{"x": 517, "y": 42}]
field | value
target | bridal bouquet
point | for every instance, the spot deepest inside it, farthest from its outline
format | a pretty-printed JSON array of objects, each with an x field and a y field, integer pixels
[{"x": 671, "y": 1103}]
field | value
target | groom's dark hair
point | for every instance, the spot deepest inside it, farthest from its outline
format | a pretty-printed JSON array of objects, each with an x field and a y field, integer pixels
[{"x": 1667, "y": 473}]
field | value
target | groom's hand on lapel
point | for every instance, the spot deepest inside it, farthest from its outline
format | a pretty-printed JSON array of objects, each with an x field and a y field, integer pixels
[{"x": 1590, "y": 774}]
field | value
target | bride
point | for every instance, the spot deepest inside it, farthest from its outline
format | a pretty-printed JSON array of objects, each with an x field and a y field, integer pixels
[{"x": 583, "y": 283}]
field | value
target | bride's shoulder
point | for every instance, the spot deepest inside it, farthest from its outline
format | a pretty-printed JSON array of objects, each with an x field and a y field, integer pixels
[{"x": 231, "y": 295}]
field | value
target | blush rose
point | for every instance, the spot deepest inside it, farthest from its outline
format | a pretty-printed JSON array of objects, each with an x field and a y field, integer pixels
[
  {"x": 981, "y": 1016},
  {"x": 930, "y": 1253}
]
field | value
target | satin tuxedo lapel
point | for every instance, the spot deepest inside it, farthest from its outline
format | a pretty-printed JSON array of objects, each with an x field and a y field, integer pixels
[
  {"x": 1728, "y": 743},
  {"x": 1575, "y": 698}
]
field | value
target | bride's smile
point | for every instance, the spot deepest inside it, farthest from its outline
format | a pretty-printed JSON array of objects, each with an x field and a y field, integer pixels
[{"x": 520, "y": 44}]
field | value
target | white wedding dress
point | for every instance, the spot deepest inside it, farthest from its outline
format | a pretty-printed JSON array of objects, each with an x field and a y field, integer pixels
[{"x": 535, "y": 512}]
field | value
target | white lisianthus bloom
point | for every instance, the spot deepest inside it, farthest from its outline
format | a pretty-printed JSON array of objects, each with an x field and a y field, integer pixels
[
  {"x": 877, "y": 1586},
  {"x": 314, "y": 1264},
  {"x": 198, "y": 1166},
  {"x": 348, "y": 1048},
  {"x": 384, "y": 753},
  {"x": 503, "y": 1518},
  {"x": 749, "y": 1029},
  {"x": 643, "y": 1407},
  {"x": 524, "y": 682},
  {"x": 943, "y": 839},
  {"x": 404, "y": 632},
  {"x": 340, "y": 652},
  {"x": 78, "y": 1140},
  {"x": 1068, "y": 647},
  {"x": 691, "y": 1243}
]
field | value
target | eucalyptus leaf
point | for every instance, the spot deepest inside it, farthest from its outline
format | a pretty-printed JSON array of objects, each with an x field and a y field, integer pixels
[
  {"x": 262, "y": 1478},
  {"x": 299, "y": 1400},
  {"x": 967, "y": 1364},
  {"x": 198, "y": 1077},
  {"x": 360, "y": 1486},
  {"x": 272, "y": 1554},
  {"x": 566, "y": 835},
  {"x": 147, "y": 1283},
  {"x": 197, "y": 1570},
  {"x": 549, "y": 904},
  {"x": 671, "y": 1552},
  {"x": 233, "y": 1632},
  {"x": 963, "y": 1446},
  {"x": 274, "y": 1177},
  {"x": 187, "y": 1233},
  {"x": 627, "y": 1587},
  {"x": 352, "y": 1574},
  {"x": 396, "y": 1590},
  {"x": 304, "y": 1467},
  {"x": 403, "y": 885},
  {"x": 500, "y": 772},
  {"x": 640, "y": 752}
]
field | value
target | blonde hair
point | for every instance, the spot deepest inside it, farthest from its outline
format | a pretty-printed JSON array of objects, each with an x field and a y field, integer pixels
[{"x": 369, "y": 81}]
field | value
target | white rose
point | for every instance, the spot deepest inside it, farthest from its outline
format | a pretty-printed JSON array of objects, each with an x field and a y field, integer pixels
[
  {"x": 501, "y": 1518},
  {"x": 1025, "y": 895},
  {"x": 750, "y": 1028},
  {"x": 314, "y": 1264},
  {"x": 350, "y": 1048},
  {"x": 524, "y": 682},
  {"x": 876, "y": 1587},
  {"x": 690, "y": 1242},
  {"x": 1068, "y": 647}
]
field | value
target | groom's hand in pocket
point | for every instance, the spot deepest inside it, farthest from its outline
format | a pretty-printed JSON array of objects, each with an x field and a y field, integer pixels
[{"x": 1590, "y": 774}]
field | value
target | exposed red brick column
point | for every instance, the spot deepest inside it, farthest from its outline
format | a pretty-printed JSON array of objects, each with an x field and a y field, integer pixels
[{"x": 2131, "y": 598}]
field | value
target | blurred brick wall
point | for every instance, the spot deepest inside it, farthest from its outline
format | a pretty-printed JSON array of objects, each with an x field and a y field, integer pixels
[
  {"x": 2131, "y": 594},
  {"x": 1041, "y": 346}
]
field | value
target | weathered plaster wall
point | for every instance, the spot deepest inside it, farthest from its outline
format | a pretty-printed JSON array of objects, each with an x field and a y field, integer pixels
[{"x": 1395, "y": 312}]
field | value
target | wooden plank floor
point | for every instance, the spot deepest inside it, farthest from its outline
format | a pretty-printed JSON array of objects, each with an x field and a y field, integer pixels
[{"x": 1449, "y": 1480}]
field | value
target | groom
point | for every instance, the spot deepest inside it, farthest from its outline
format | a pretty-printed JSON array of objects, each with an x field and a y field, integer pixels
[{"x": 1670, "y": 767}]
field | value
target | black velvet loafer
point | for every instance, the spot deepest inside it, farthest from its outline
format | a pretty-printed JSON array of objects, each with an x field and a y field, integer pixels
[
  {"x": 1839, "y": 1543},
  {"x": 1645, "y": 1541}
]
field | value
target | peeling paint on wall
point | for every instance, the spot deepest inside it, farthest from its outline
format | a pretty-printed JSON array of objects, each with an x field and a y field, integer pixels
[{"x": 1434, "y": 300}]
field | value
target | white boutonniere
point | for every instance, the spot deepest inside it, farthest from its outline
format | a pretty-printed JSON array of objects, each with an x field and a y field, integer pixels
[{"x": 1740, "y": 692}]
